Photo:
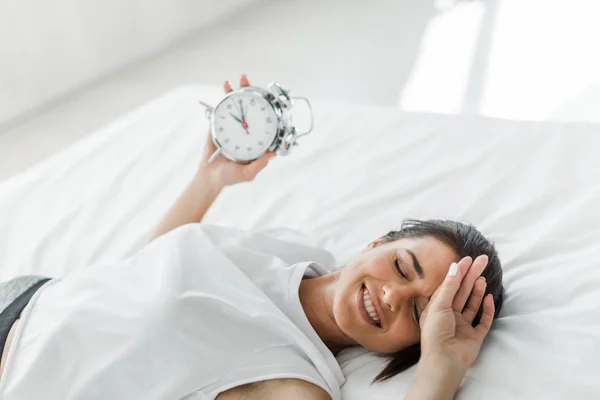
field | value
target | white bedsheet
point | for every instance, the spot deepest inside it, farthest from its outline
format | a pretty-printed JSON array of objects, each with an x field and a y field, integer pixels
[{"x": 532, "y": 187}]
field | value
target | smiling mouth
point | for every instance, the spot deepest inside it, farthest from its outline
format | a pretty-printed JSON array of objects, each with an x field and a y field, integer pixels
[{"x": 367, "y": 308}]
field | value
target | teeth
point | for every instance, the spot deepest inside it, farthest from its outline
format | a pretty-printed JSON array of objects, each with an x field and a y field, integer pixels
[{"x": 369, "y": 306}]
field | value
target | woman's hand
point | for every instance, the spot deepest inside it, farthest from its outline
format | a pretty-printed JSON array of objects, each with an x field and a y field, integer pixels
[
  {"x": 446, "y": 329},
  {"x": 222, "y": 171},
  {"x": 449, "y": 343}
]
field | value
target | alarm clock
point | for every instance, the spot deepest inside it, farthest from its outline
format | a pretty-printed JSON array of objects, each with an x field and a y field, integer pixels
[{"x": 251, "y": 121}]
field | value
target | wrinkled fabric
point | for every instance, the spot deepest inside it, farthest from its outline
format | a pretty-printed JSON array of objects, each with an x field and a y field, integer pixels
[{"x": 197, "y": 311}]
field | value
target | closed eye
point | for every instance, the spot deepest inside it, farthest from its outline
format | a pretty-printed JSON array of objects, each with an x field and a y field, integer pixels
[
  {"x": 398, "y": 269},
  {"x": 403, "y": 275}
]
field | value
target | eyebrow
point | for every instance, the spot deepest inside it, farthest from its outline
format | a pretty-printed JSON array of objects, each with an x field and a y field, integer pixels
[{"x": 416, "y": 264}]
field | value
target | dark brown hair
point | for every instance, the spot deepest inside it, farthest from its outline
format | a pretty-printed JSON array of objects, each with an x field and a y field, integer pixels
[{"x": 465, "y": 240}]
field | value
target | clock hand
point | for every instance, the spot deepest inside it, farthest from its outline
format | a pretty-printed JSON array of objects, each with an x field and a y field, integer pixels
[
  {"x": 242, "y": 121},
  {"x": 242, "y": 111},
  {"x": 238, "y": 110},
  {"x": 236, "y": 118},
  {"x": 244, "y": 124}
]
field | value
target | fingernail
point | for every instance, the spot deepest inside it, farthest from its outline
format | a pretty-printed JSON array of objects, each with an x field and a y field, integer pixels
[
  {"x": 483, "y": 278},
  {"x": 453, "y": 269}
]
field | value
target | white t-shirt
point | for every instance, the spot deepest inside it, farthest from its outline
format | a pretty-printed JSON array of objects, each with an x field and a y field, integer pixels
[{"x": 195, "y": 312}]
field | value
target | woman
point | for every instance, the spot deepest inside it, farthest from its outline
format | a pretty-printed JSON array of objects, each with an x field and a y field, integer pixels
[{"x": 427, "y": 293}]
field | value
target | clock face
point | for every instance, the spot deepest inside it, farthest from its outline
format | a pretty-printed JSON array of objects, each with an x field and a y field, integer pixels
[{"x": 245, "y": 125}]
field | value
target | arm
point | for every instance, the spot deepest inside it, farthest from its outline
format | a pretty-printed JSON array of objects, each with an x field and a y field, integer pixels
[
  {"x": 191, "y": 205},
  {"x": 449, "y": 342},
  {"x": 208, "y": 182},
  {"x": 294, "y": 389},
  {"x": 276, "y": 389},
  {"x": 435, "y": 381}
]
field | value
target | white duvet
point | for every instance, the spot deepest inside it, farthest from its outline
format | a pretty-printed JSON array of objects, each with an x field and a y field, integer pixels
[{"x": 532, "y": 187}]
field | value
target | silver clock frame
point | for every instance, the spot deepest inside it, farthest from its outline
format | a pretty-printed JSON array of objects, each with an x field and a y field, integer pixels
[{"x": 282, "y": 105}]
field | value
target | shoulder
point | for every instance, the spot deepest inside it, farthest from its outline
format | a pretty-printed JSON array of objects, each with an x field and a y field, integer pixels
[{"x": 287, "y": 388}]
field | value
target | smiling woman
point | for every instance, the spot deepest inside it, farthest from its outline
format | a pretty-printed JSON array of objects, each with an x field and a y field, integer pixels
[
  {"x": 377, "y": 299},
  {"x": 394, "y": 279}
]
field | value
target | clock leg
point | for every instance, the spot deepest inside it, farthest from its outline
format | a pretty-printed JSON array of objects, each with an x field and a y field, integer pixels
[{"x": 214, "y": 155}]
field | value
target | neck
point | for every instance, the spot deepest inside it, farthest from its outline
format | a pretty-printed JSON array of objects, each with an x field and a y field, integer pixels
[{"x": 316, "y": 296}]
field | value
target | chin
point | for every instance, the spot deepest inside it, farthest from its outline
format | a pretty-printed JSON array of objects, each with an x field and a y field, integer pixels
[
  {"x": 376, "y": 347},
  {"x": 356, "y": 334}
]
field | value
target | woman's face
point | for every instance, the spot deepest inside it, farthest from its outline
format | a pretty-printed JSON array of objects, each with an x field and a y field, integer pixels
[{"x": 398, "y": 277}]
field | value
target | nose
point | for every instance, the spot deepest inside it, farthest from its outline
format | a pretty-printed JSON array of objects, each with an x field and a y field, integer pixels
[{"x": 393, "y": 296}]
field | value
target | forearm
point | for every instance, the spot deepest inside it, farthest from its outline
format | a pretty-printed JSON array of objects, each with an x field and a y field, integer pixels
[
  {"x": 191, "y": 205},
  {"x": 435, "y": 380}
]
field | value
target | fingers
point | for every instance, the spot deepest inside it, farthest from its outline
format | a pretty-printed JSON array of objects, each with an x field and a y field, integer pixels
[
  {"x": 470, "y": 311},
  {"x": 467, "y": 284},
  {"x": 444, "y": 294},
  {"x": 487, "y": 317},
  {"x": 251, "y": 170},
  {"x": 244, "y": 80}
]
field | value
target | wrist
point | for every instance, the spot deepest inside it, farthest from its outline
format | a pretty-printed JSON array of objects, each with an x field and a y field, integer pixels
[
  {"x": 208, "y": 180},
  {"x": 438, "y": 377}
]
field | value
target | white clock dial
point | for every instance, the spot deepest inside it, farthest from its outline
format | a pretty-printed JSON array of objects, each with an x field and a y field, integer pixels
[{"x": 245, "y": 125}]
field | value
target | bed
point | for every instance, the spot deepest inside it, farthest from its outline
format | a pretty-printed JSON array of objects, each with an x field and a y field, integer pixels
[{"x": 533, "y": 187}]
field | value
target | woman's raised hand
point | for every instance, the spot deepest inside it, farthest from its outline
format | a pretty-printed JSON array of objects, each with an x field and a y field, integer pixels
[
  {"x": 446, "y": 323},
  {"x": 449, "y": 342},
  {"x": 222, "y": 171}
]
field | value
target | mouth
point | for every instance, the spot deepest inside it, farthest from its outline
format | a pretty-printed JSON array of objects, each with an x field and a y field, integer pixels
[{"x": 366, "y": 308}]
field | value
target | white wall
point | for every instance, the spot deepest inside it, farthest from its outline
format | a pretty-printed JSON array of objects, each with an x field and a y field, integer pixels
[{"x": 48, "y": 48}]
